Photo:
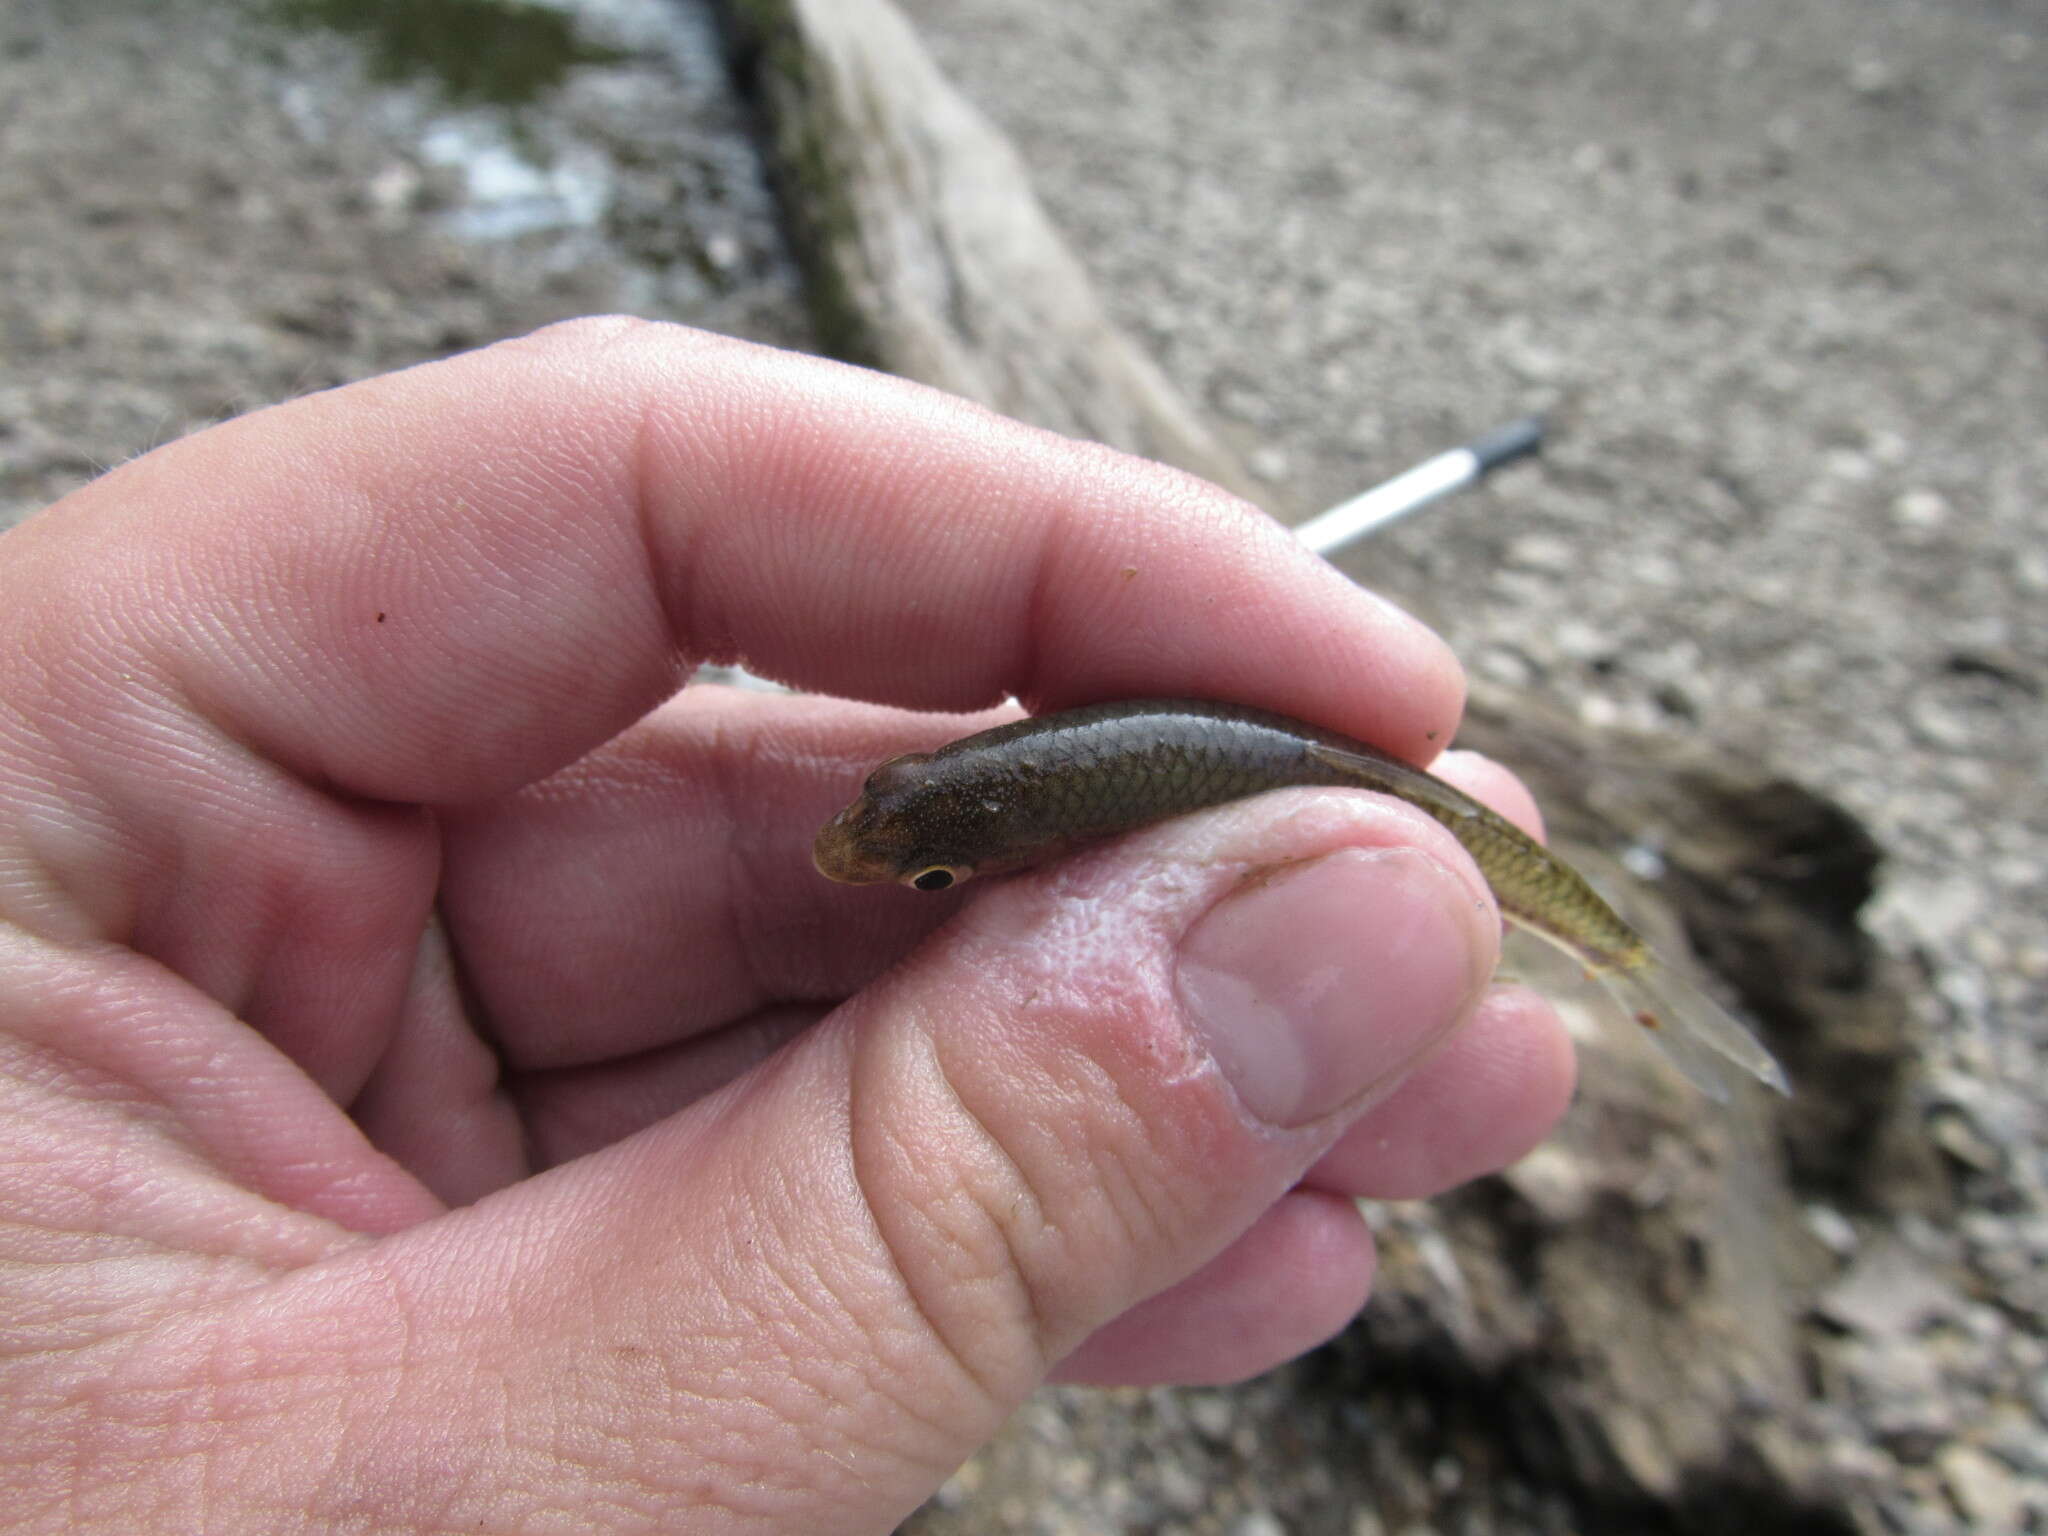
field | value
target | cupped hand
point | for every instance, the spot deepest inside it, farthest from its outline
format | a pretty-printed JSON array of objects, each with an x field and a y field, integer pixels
[{"x": 439, "y": 1094}]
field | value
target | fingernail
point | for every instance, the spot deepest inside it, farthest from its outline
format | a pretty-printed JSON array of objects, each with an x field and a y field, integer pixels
[{"x": 1326, "y": 983}]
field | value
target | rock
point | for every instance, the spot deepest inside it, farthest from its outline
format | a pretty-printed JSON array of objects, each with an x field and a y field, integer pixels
[
  {"x": 1939, "y": 724},
  {"x": 1984, "y": 1489},
  {"x": 1957, "y": 1133},
  {"x": 1898, "y": 1389},
  {"x": 1212, "y": 1415},
  {"x": 1889, "y": 1292},
  {"x": 1921, "y": 509},
  {"x": 1543, "y": 553},
  {"x": 1834, "y": 1231},
  {"x": 1179, "y": 1489},
  {"x": 2015, "y": 1433},
  {"x": 1271, "y": 465},
  {"x": 1506, "y": 665},
  {"x": 1554, "y": 1182},
  {"x": 961, "y": 1487}
]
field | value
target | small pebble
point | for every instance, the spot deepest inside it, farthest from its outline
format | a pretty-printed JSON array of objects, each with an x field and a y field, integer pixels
[
  {"x": 1270, "y": 464},
  {"x": 1834, "y": 1231},
  {"x": 1212, "y": 1415},
  {"x": 1921, "y": 508},
  {"x": 1984, "y": 1489}
]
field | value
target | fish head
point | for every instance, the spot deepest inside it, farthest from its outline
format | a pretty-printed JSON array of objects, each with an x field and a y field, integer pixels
[{"x": 912, "y": 825}]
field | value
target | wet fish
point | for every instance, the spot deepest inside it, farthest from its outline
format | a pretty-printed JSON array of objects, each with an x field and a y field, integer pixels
[{"x": 1023, "y": 792}]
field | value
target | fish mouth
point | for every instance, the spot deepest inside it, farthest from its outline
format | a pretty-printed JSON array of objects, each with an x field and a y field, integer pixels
[{"x": 840, "y": 852}]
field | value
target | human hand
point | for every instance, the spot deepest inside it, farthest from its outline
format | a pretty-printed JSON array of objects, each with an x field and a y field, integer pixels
[{"x": 439, "y": 1092}]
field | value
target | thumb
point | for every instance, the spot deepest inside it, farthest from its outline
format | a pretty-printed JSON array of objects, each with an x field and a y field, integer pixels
[{"x": 801, "y": 1303}]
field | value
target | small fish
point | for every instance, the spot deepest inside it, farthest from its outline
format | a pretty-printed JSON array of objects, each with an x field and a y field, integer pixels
[{"x": 1023, "y": 792}]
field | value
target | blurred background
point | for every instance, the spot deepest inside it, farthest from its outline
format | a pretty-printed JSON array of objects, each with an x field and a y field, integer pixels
[{"x": 1776, "y": 275}]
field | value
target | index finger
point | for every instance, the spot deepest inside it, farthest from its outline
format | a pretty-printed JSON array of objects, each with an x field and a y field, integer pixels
[{"x": 444, "y": 583}]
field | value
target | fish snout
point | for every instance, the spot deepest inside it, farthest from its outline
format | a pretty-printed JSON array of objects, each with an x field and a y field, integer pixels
[{"x": 843, "y": 852}]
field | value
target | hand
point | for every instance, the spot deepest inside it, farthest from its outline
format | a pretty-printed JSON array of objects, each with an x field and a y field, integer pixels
[{"x": 439, "y": 1093}]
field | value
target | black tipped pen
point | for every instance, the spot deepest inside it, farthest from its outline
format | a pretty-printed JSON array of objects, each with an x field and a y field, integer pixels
[{"x": 1328, "y": 532}]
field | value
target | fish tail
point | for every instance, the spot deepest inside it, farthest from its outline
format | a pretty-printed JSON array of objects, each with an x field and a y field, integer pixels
[{"x": 1695, "y": 1032}]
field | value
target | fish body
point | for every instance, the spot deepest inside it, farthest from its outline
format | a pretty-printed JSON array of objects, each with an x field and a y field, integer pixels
[{"x": 1022, "y": 792}]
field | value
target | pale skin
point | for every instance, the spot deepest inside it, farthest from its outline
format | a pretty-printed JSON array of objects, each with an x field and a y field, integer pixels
[{"x": 440, "y": 1095}]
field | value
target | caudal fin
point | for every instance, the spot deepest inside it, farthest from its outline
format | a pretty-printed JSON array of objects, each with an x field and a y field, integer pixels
[{"x": 1693, "y": 1030}]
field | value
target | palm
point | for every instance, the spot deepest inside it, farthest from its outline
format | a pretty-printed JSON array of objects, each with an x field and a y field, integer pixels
[{"x": 640, "y": 928}]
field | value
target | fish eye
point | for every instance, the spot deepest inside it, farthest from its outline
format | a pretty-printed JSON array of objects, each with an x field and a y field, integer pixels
[{"x": 936, "y": 878}]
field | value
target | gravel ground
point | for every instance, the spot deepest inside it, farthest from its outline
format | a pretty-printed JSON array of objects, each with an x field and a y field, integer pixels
[
  {"x": 202, "y": 212},
  {"x": 1774, "y": 271}
]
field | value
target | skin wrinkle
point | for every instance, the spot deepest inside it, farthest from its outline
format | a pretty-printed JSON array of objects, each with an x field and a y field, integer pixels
[
  {"x": 443, "y": 1022},
  {"x": 482, "y": 555},
  {"x": 363, "y": 1440},
  {"x": 1114, "y": 1170},
  {"x": 802, "y": 904},
  {"x": 743, "y": 921},
  {"x": 125, "y": 1013},
  {"x": 373, "y": 991},
  {"x": 701, "y": 1065},
  {"x": 835, "y": 1412},
  {"x": 797, "y": 975},
  {"x": 672, "y": 599},
  {"x": 97, "y": 1083},
  {"x": 1112, "y": 991},
  {"x": 1122, "y": 1191},
  {"x": 379, "y": 1303},
  {"x": 229, "y": 780},
  {"x": 1022, "y": 1209},
  {"x": 206, "y": 640},
  {"x": 35, "y": 898},
  {"x": 1026, "y": 663},
  {"x": 620, "y": 774},
  {"x": 686, "y": 532},
  {"x": 731, "y": 1459},
  {"x": 81, "y": 815},
  {"x": 471, "y": 1006},
  {"x": 727, "y": 1445},
  {"x": 467, "y": 1006},
  {"x": 957, "y": 1353},
  {"x": 1136, "y": 907}
]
